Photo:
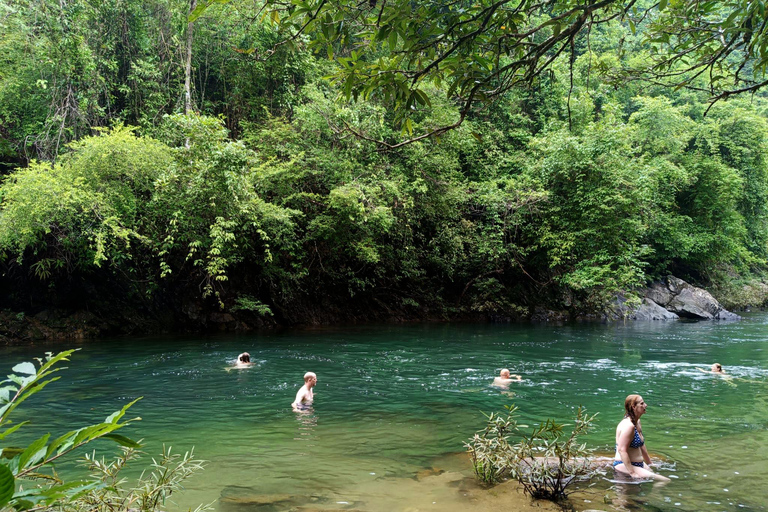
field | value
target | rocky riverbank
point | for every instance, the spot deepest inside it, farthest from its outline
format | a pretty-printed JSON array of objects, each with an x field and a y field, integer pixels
[{"x": 666, "y": 300}]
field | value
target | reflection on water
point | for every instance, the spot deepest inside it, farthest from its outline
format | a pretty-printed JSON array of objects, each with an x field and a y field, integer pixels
[{"x": 394, "y": 405}]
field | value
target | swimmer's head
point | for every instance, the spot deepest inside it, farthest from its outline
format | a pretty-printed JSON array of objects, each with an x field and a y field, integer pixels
[
  {"x": 717, "y": 368},
  {"x": 310, "y": 376},
  {"x": 245, "y": 357},
  {"x": 634, "y": 407},
  {"x": 504, "y": 373}
]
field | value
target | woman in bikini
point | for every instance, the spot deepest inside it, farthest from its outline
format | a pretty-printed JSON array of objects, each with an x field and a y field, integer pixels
[{"x": 631, "y": 455}]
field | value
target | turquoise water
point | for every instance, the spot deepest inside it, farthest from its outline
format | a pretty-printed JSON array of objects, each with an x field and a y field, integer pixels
[{"x": 394, "y": 405}]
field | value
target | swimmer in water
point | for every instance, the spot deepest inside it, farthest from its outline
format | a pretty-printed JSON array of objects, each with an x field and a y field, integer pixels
[
  {"x": 243, "y": 360},
  {"x": 305, "y": 395},
  {"x": 715, "y": 368},
  {"x": 631, "y": 456},
  {"x": 505, "y": 379}
]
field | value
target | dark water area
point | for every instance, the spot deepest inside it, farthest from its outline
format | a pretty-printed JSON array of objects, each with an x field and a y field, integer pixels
[{"x": 394, "y": 405}]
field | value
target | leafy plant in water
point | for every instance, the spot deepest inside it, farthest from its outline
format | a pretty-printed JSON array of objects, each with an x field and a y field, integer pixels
[
  {"x": 32, "y": 461},
  {"x": 544, "y": 461},
  {"x": 151, "y": 490},
  {"x": 28, "y": 480}
]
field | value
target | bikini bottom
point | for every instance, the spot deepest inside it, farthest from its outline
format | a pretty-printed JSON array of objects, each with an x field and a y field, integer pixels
[{"x": 636, "y": 464}]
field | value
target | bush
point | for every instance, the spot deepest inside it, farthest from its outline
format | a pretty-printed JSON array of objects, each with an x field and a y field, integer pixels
[{"x": 543, "y": 462}]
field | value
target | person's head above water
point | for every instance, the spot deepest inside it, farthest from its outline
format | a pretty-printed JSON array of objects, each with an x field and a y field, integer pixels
[
  {"x": 245, "y": 357},
  {"x": 717, "y": 368},
  {"x": 634, "y": 407},
  {"x": 504, "y": 374},
  {"x": 310, "y": 378}
]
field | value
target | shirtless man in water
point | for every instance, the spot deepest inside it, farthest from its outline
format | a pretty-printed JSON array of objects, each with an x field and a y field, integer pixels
[
  {"x": 305, "y": 396},
  {"x": 505, "y": 379}
]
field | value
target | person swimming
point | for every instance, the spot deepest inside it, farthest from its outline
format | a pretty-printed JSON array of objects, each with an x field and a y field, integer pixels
[
  {"x": 243, "y": 360},
  {"x": 715, "y": 368},
  {"x": 631, "y": 456},
  {"x": 505, "y": 378}
]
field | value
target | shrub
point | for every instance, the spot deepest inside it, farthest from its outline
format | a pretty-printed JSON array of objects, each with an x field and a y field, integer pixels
[{"x": 544, "y": 462}]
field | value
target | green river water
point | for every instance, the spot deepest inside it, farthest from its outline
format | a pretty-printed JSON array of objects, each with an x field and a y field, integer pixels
[{"x": 394, "y": 404}]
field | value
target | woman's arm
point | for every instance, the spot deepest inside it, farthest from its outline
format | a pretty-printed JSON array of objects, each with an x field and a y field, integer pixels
[{"x": 646, "y": 457}]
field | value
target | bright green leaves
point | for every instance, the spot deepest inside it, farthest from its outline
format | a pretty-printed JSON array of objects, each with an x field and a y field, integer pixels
[
  {"x": 7, "y": 485},
  {"x": 31, "y": 461}
]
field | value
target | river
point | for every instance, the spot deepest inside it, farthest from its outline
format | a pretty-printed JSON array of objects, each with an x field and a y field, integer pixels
[{"x": 394, "y": 405}]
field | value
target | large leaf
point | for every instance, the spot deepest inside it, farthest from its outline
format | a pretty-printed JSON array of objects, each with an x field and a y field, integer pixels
[
  {"x": 27, "y": 368},
  {"x": 33, "y": 453},
  {"x": 7, "y": 485}
]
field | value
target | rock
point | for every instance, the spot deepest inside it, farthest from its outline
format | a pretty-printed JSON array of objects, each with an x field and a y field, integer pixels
[
  {"x": 692, "y": 303},
  {"x": 681, "y": 299},
  {"x": 424, "y": 473},
  {"x": 547, "y": 315},
  {"x": 659, "y": 293},
  {"x": 650, "y": 310},
  {"x": 726, "y": 315},
  {"x": 221, "y": 318}
]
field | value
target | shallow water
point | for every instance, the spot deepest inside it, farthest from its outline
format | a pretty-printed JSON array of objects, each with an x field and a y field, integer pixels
[{"x": 394, "y": 404}]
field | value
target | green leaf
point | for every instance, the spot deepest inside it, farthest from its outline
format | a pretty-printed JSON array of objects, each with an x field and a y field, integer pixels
[
  {"x": 115, "y": 416},
  {"x": 34, "y": 452},
  {"x": 12, "y": 430},
  {"x": 662, "y": 4},
  {"x": 123, "y": 441},
  {"x": 35, "y": 496},
  {"x": 27, "y": 368},
  {"x": 7, "y": 485}
]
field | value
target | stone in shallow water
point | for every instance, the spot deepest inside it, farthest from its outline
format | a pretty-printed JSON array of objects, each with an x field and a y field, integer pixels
[
  {"x": 424, "y": 473},
  {"x": 241, "y": 498}
]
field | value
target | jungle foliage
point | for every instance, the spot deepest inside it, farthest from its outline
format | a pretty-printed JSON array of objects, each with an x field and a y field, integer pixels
[{"x": 563, "y": 182}]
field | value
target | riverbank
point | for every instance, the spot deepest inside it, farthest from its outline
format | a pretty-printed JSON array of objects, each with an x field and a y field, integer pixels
[{"x": 666, "y": 300}]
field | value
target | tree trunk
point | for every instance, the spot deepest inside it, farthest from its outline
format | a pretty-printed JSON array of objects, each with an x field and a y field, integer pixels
[{"x": 188, "y": 63}]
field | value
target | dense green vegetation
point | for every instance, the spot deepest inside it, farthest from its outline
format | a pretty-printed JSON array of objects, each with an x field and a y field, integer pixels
[{"x": 573, "y": 182}]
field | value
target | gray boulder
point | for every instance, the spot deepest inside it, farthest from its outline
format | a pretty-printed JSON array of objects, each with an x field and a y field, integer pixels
[
  {"x": 685, "y": 300},
  {"x": 649, "y": 310}
]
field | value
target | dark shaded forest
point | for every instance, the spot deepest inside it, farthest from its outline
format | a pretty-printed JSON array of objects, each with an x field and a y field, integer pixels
[{"x": 281, "y": 192}]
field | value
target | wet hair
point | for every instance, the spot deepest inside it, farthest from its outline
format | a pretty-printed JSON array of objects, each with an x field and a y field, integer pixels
[
  {"x": 629, "y": 407},
  {"x": 245, "y": 357},
  {"x": 718, "y": 366}
]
